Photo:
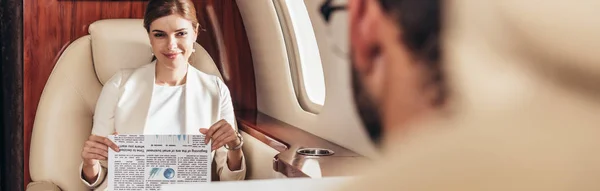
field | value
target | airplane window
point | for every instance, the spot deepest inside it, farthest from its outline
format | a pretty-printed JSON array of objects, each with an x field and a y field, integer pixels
[{"x": 303, "y": 54}]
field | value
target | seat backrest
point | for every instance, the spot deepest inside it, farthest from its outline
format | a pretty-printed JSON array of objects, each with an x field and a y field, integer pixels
[{"x": 63, "y": 118}]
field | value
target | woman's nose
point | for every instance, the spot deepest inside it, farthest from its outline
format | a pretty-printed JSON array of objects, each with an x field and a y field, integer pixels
[{"x": 172, "y": 45}]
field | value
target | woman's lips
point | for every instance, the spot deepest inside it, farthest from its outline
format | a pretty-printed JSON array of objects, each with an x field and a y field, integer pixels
[{"x": 171, "y": 55}]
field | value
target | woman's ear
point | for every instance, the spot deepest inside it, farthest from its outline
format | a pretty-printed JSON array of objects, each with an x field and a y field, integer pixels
[{"x": 196, "y": 32}]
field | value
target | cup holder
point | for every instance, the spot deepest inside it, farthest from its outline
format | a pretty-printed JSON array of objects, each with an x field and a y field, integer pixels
[{"x": 314, "y": 152}]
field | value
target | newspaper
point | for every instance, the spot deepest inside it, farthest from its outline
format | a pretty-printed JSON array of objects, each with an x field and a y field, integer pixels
[{"x": 145, "y": 162}]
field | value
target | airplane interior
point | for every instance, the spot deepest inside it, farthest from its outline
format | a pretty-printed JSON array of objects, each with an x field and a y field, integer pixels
[{"x": 287, "y": 66}]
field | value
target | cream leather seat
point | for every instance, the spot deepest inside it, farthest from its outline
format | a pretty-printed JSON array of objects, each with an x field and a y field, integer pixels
[{"x": 63, "y": 119}]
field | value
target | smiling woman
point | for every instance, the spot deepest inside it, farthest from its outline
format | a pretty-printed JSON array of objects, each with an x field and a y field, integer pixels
[{"x": 167, "y": 96}]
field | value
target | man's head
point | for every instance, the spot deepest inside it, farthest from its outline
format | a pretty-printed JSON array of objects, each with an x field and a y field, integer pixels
[{"x": 395, "y": 61}]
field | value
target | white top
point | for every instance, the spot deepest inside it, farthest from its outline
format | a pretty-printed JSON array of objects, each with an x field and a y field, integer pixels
[{"x": 166, "y": 114}]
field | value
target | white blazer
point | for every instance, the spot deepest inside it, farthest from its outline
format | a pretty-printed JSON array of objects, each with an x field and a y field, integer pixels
[{"x": 125, "y": 100}]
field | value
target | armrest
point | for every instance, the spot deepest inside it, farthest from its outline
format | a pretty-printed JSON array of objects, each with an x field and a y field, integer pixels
[
  {"x": 287, "y": 139},
  {"x": 42, "y": 186}
]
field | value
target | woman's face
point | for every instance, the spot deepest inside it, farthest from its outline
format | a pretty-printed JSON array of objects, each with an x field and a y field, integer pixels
[{"x": 172, "y": 38}]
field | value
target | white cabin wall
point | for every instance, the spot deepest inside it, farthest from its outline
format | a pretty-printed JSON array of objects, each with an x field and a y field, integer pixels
[{"x": 337, "y": 121}]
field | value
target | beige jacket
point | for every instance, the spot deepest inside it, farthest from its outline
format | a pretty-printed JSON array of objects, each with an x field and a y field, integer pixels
[{"x": 125, "y": 99}]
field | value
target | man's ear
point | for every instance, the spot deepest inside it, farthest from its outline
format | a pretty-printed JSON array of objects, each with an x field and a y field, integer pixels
[
  {"x": 356, "y": 8},
  {"x": 365, "y": 15}
]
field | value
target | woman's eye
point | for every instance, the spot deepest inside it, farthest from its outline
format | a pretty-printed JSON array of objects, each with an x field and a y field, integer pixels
[
  {"x": 158, "y": 35},
  {"x": 181, "y": 33}
]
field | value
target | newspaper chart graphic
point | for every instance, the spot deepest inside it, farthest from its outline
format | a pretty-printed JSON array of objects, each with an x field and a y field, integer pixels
[{"x": 171, "y": 139}]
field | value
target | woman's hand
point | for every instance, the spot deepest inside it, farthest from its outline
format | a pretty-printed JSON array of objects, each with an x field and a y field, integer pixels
[
  {"x": 220, "y": 133},
  {"x": 96, "y": 148}
]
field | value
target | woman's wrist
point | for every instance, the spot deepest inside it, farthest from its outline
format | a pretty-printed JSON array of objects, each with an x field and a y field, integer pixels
[
  {"x": 90, "y": 163},
  {"x": 237, "y": 144},
  {"x": 234, "y": 159},
  {"x": 234, "y": 144},
  {"x": 91, "y": 171}
]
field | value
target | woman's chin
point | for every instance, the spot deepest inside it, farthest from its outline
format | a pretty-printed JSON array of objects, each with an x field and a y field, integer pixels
[{"x": 172, "y": 63}]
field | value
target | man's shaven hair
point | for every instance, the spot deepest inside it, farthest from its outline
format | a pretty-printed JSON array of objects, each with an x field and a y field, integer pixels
[{"x": 420, "y": 23}]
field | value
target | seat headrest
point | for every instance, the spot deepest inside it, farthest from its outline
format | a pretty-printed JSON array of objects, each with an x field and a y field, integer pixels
[
  {"x": 124, "y": 43},
  {"x": 118, "y": 44}
]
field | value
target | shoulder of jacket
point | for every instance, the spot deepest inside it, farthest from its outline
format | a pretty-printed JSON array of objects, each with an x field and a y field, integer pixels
[
  {"x": 121, "y": 77},
  {"x": 126, "y": 73},
  {"x": 205, "y": 76}
]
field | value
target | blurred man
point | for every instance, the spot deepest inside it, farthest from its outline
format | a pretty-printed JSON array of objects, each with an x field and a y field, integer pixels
[
  {"x": 525, "y": 94},
  {"x": 396, "y": 70}
]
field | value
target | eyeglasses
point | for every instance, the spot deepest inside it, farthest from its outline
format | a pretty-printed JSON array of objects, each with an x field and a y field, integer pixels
[{"x": 327, "y": 9}]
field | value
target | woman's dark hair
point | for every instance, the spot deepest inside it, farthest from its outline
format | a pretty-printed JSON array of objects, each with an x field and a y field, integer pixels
[
  {"x": 160, "y": 8},
  {"x": 420, "y": 23}
]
